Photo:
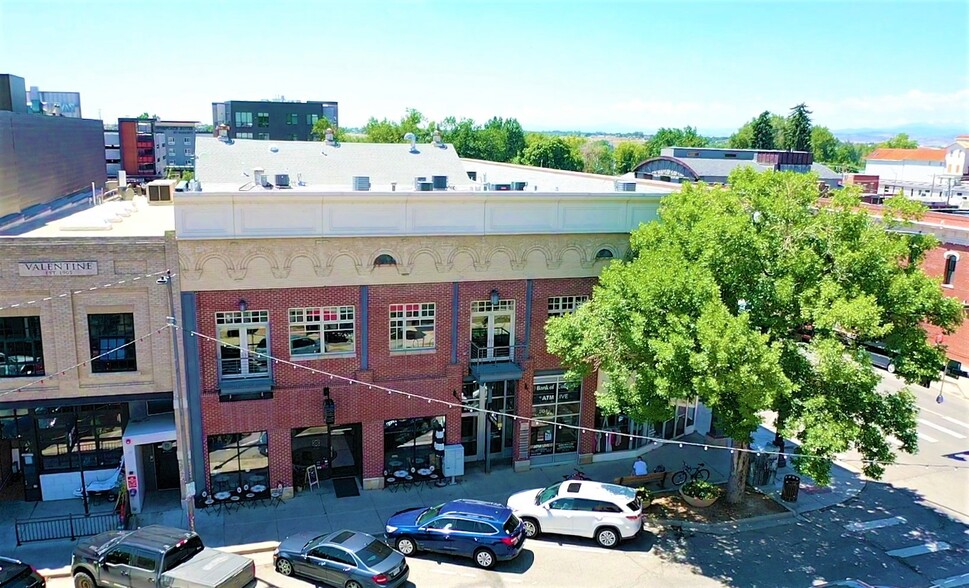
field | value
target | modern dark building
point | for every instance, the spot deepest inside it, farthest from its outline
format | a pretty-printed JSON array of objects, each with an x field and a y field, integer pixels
[
  {"x": 46, "y": 161},
  {"x": 144, "y": 152},
  {"x": 63, "y": 103},
  {"x": 713, "y": 165},
  {"x": 271, "y": 119},
  {"x": 179, "y": 141}
]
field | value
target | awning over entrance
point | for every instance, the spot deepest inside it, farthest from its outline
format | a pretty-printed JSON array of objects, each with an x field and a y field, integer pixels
[
  {"x": 154, "y": 429},
  {"x": 496, "y": 372}
]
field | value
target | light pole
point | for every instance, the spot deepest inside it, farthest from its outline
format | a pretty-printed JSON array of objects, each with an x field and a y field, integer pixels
[{"x": 188, "y": 485}]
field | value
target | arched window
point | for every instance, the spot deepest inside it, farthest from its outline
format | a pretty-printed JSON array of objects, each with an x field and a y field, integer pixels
[
  {"x": 384, "y": 259},
  {"x": 604, "y": 254},
  {"x": 951, "y": 259}
]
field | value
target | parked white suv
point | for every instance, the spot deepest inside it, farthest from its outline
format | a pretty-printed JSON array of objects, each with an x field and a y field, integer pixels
[{"x": 608, "y": 513}]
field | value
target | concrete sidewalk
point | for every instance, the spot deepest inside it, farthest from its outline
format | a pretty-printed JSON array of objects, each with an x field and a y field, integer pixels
[{"x": 261, "y": 526}]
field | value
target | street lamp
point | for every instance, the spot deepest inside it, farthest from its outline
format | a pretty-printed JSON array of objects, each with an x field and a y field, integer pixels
[{"x": 181, "y": 403}]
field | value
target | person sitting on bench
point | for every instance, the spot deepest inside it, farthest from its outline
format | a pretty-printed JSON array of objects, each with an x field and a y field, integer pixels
[{"x": 639, "y": 467}]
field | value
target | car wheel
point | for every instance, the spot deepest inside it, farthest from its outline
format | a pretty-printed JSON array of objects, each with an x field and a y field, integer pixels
[
  {"x": 485, "y": 558},
  {"x": 284, "y": 567},
  {"x": 84, "y": 580},
  {"x": 891, "y": 368},
  {"x": 352, "y": 584},
  {"x": 608, "y": 537},
  {"x": 406, "y": 545},
  {"x": 531, "y": 527}
]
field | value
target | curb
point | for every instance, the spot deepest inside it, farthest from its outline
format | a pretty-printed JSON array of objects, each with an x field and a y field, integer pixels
[{"x": 246, "y": 549}]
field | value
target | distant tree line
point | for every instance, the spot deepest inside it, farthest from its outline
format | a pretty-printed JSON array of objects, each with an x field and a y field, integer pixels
[{"x": 504, "y": 140}]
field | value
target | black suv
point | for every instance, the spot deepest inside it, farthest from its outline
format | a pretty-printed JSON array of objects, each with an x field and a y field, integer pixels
[{"x": 17, "y": 574}]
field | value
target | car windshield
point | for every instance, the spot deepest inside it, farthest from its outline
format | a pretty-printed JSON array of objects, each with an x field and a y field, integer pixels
[
  {"x": 374, "y": 553},
  {"x": 511, "y": 524},
  {"x": 548, "y": 494},
  {"x": 426, "y": 516},
  {"x": 182, "y": 552}
]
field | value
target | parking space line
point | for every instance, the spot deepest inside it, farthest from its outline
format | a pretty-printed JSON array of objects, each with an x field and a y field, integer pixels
[
  {"x": 930, "y": 547},
  {"x": 876, "y": 524},
  {"x": 951, "y": 582},
  {"x": 926, "y": 438},
  {"x": 945, "y": 417},
  {"x": 943, "y": 429}
]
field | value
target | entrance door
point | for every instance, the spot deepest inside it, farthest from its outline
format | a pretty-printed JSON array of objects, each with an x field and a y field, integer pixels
[
  {"x": 486, "y": 433},
  {"x": 166, "y": 465},
  {"x": 346, "y": 447},
  {"x": 492, "y": 330}
]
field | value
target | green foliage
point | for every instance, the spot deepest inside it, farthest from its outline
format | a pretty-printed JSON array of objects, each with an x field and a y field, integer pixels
[
  {"x": 763, "y": 132},
  {"x": 744, "y": 137},
  {"x": 824, "y": 145},
  {"x": 664, "y": 137},
  {"x": 900, "y": 141},
  {"x": 628, "y": 154},
  {"x": 146, "y": 116},
  {"x": 644, "y": 495},
  {"x": 666, "y": 326},
  {"x": 598, "y": 157},
  {"x": 797, "y": 134},
  {"x": 701, "y": 490},
  {"x": 322, "y": 125},
  {"x": 552, "y": 152}
]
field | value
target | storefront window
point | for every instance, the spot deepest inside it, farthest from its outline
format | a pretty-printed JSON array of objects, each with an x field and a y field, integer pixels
[
  {"x": 21, "y": 348},
  {"x": 556, "y": 401},
  {"x": 311, "y": 447},
  {"x": 409, "y": 444},
  {"x": 609, "y": 427},
  {"x": 239, "y": 459},
  {"x": 99, "y": 431}
]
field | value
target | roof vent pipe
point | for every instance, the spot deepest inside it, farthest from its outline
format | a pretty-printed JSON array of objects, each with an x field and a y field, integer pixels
[{"x": 412, "y": 138}]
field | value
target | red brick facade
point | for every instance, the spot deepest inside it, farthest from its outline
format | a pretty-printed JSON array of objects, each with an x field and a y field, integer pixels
[
  {"x": 297, "y": 399},
  {"x": 935, "y": 263}
]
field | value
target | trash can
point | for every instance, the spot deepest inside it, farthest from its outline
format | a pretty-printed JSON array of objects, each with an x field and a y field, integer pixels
[{"x": 791, "y": 486}]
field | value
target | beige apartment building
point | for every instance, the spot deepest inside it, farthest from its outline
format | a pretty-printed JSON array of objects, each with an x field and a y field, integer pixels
[{"x": 86, "y": 366}]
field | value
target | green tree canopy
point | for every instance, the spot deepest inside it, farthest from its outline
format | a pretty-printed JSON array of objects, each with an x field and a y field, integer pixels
[
  {"x": 900, "y": 141},
  {"x": 322, "y": 125},
  {"x": 744, "y": 137},
  {"x": 824, "y": 145},
  {"x": 598, "y": 157},
  {"x": 664, "y": 137},
  {"x": 629, "y": 154},
  {"x": 552, "y": 152},
  {"x": 717, "y": 295},
  {"x": 797, "y": 134},
  {"x": 763, "y": 132}
]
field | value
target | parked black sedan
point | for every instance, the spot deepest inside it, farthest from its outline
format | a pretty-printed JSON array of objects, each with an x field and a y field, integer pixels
[
  {"x": 348, "y": 559},
  {"x": 16, "y": 574}
]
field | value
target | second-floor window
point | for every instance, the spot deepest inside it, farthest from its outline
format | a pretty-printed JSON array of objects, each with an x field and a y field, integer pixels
[
  {"x": 243, "y": 343},
  {"x": 412, "y": 326},
  {"x": 112, "y": 342},
  {"x": 21, "y": 348},
  {"x": 559, "y": 305},
  {"x": 311, "y": 119},
  {"x": 243, "y": 119},
  {"x": 292, "y": 119},
  {"x": 950, "y": 269},
  {"x": 326, "y": 330},
  {"x": 262, "y": 119}
]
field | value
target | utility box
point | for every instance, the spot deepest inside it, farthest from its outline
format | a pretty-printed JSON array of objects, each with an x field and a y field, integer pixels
[{"x": 453, "y": 460}]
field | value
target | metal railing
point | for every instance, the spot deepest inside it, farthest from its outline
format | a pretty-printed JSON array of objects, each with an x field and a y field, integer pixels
[
  {"x": 65, "y": 527},
  {"x": 496, "y": 353}
]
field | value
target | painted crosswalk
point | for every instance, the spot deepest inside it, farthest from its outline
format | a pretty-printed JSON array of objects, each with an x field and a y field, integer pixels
[
  {"x": 926, "y": 438},
  {"x": 942, "y": 429},
  {"x": 931, "y": 547},
  {"x": 946, "y": 418},
  {"x": 876, "y": 524}
]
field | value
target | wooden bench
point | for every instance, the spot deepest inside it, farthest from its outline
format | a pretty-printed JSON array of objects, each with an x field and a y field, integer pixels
[{"x": 637, "y": 481}]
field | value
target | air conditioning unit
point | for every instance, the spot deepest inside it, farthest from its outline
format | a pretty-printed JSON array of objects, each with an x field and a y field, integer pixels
[
  {"x": 282, "y": 180},
  {"x": 160, "y": 193},
  {"x": 361, "y": 183},
  {"x": 622, "y": 186}
]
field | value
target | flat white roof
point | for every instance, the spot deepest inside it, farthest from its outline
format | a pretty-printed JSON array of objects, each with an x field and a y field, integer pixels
[{"x": 118, "y": 218}]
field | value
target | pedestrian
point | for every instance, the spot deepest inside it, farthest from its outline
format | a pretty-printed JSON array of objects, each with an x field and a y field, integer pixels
[{"x": 639, "y": 467}]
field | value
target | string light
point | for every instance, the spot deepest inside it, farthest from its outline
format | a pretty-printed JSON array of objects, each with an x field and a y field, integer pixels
[{"x": 66, "y": 294}]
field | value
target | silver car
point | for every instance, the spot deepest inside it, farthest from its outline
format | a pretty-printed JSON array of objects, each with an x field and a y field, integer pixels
[{"x": 349, "y": 559}]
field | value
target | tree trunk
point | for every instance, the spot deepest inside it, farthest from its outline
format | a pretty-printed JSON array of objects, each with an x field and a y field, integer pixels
[{"x": 739, "y": 466}]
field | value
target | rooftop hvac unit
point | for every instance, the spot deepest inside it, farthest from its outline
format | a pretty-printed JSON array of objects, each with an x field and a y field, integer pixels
[
  {"x": 257, "y": 176},
  {"x": 498, "y": 187},
  {"x": 424, "y": 186},
  {"x": 625, "y": 186},
  {"x": 361, "y": 183},
  {"x": 282, "y": 180},
  {"x": 440, "y": 182},
  {"x": 159, "y": 193},
  {"x": 518, "y": 186}
]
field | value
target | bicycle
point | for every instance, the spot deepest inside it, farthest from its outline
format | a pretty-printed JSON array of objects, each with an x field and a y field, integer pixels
[
  {"x": 576, "y": 475},
  {"x": 693, "y": 473}
]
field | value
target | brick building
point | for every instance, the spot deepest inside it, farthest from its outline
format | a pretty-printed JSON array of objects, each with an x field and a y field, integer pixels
[
  {"x": 388, "y": 265},
  {"x": 84, "y": 343}
]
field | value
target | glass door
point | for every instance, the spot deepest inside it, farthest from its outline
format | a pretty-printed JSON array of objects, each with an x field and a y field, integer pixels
[
  {"x": 470, "y": 418},
  {"x": 501, "y": 429},
  {"x": 492, "y": 330}
]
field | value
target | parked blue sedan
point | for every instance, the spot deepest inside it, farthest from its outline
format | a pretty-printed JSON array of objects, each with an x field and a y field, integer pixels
[
  {"x": 348, "y": 559},
  {"x": 487, "y": 532}
]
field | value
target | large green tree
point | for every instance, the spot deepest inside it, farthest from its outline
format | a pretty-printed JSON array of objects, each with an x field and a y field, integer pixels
[
  {"x": 629, "y": 154},
  {"x": 900, "y": 141},
  {"x": 666, "y": 137},
  {"x": 824, "y": 145},
  {"x": 763, "y": 132},
  {"x": 718, "y": 294},
  {"x": 322, "y": 125},
  {"x": 598, "y": 157},
  {"x": 744, "y": 137},
  {"x": 797, "y": 134},
  {"x": 552, "y": 152}
]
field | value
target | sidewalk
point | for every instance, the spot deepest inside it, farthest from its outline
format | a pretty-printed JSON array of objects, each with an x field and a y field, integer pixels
[{"x": 260, "y": 527}]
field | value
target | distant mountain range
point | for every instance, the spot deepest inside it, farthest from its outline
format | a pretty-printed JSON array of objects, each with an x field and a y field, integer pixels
[{"x": 926, "y": 134}]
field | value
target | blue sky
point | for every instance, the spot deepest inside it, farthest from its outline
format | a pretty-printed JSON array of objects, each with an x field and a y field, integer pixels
[{"x": 555, "y": 64}]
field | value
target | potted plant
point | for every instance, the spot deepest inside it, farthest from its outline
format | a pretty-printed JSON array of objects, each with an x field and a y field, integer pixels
[
  {"x": 644, "y": 496},
  {"x": 700, "y": 493}
]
